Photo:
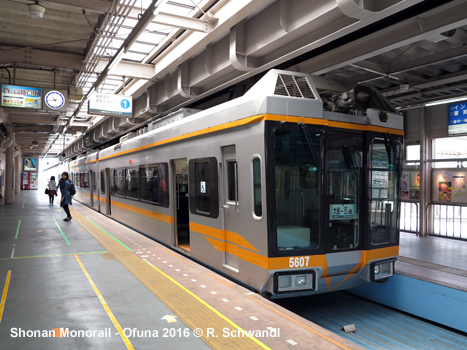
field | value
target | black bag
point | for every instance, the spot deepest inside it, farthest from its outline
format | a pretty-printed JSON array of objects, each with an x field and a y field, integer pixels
[
  {"x": 47, "y": 191},
  {"x": 72, "y": 189}
]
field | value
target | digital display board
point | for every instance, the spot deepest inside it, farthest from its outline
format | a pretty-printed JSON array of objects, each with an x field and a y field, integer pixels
[
  {"x": 111, "y": 105},
  {"x": 457, "y": 114},
  {"x": 21, "y": 97}
]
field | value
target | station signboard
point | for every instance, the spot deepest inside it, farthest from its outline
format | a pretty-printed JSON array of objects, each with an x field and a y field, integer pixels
[
  {"x": 21, "y": 97},
  {"x": 111, "y": 105},
  {"x": 457, "y": 114}
]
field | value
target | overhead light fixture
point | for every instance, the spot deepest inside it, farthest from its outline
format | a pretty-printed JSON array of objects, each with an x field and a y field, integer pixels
[
  {"x": 404, "y": 87},
  {"x": 36, "y": 11},
  {"x": 450, "y": 100}
]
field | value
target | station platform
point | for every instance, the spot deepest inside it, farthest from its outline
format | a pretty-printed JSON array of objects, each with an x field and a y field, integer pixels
[
  {"x": 92, "y": 283},
  {"x": 430, "y": 281}
]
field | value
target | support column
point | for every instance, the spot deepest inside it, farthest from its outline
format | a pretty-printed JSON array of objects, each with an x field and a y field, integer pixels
[
  {"x": 9, "y": 171},
  {"x": 423, "y": 175},
  {"x": 18, "y": 171}
]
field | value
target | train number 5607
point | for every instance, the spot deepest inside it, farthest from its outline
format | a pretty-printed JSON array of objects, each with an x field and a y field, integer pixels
[{"x": 299, "y": 261}]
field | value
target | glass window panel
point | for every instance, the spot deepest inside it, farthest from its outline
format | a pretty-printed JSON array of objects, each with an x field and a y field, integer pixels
[
  {"x": 102, "y": 182},
  {"x": 344, "y": 159},
  {"x": 202, "y": 178},
  {"x": 232, "y": 176},
  {"x": 257, "y": 195},
  {"x": 384, "y": 190},
  {"x": 150, "y": 184},
  {"x": 132, "y": 189},
  {"x": 118, "y": 183},
  {"x": 297, "y": 208}
]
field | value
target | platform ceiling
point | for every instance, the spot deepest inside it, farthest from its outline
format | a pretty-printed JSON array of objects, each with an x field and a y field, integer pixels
[{"x": 184, "y": 51}]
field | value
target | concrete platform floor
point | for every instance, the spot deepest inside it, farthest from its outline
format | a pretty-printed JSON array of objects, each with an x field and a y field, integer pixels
[{"x": 66, "y": 279}]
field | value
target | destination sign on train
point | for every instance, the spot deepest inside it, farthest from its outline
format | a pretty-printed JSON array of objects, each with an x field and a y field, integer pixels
[{"x": 111, "y": 105}]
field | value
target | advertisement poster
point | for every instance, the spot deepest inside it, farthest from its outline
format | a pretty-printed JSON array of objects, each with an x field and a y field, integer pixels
[
  {"x": 445, "y": 192},
  {"x": 458, "y": 188},
  {"x": 30, "y": 164},
  {"x": 21, "y": 97},
  {"x": 405, "y": 185},
  {"x": 414, "y": 192}
]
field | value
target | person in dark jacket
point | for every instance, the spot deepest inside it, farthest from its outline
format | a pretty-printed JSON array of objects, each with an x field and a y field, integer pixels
[{"x": 66, "y": 196}]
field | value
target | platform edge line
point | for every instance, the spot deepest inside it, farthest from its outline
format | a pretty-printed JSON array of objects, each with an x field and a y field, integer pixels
[{"x": 106, "y": 307}]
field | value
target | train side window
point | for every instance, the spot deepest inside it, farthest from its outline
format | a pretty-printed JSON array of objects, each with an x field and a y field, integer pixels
[
  {"x": 132, "y": 181},
  {"x": 154, "y": 184},
  {"x": 257, "y": 189},
  {"x": 102, "y": 182},
  {"x": 81, "y": 179},
  {"x": 203, "y": 188},
  {"x": 85, "y": 179},
  {"x": 118, "y": 182}
]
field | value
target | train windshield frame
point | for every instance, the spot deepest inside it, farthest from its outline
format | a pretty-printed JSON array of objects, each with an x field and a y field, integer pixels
[{"x": 297, "y": 158}]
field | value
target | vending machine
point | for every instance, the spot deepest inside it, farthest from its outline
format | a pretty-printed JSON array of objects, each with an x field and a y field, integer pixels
[{"x": 26, "y": 181}]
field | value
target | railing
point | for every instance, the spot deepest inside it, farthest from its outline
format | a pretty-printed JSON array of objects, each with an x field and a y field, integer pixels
[
  {"x": 410, "y": 217},
  {"x": 449, "y": 220}
]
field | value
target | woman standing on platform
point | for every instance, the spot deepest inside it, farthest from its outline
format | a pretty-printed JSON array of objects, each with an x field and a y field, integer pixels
[
  {"x": 52, "y": 190},
  {"x": 66, "y": 196}
]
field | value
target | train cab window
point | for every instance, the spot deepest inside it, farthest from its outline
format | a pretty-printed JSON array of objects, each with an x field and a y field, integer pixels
[
  {"x": 297, "y": 157},
  {"x": 384, "y": 184},
  {"x": 203, "y": 187},
  {"x": 257, "y": 190},
  {"x": 118, "y": 182},
  {"x": 102, "y": 182},
  {"x": 132, "y": 182},
  {"x": 344, "y": 160},
  {"x": 154, "y": 184}
]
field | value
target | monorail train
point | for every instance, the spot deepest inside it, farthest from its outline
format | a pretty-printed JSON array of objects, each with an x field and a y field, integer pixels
[{"x": 270, "y": 189}]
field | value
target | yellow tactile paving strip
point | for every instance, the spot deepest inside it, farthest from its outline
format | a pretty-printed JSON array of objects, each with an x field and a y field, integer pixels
[{"x": 188, "y": 307}]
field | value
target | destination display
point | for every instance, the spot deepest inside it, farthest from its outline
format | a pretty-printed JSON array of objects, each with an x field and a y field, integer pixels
[
  {"x": 21, "y": 97},
  {"x": 111, "y": 105}
]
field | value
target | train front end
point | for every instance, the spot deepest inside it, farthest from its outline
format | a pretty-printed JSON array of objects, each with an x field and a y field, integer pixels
[{"x": 333, "y": 196}]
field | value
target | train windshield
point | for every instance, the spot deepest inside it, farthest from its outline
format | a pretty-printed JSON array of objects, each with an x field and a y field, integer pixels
[
  {"x": 385, "y": 156},
  {"x": 297, "y": 188},
  {"x": 344, "y": 162}
]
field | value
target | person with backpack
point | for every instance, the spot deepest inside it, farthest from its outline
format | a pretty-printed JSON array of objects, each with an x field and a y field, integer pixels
[{"x": 65, "y": 185}]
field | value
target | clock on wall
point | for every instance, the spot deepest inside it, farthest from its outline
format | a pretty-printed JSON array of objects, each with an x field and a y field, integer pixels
[{"x": 54, "y": 99}]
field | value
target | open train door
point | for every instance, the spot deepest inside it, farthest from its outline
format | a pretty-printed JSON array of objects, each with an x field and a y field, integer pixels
[{"x": 180, "y": 203}]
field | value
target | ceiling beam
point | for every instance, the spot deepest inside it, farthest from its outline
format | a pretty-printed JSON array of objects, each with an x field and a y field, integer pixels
[
  {"x": 43, "y": 58},
  {"x": 97, "y": 6}
]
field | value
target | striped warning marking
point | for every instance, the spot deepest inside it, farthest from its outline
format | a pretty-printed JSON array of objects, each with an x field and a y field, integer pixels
[{"x": 191, "y": 309}]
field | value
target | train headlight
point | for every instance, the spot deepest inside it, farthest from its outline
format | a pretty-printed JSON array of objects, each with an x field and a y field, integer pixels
[
  {"x": 382, "y": 269},
  {"x": 292, "y": 281},
  {"x": 300, "y": 280}
]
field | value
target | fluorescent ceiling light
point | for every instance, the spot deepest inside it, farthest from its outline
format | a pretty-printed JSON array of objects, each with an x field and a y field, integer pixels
[{"x": 450, "y": 100}]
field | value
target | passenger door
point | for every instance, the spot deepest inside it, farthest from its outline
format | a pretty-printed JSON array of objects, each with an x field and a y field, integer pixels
[
  {"x": 180, "y": 203},
  {"x": 231, "y": 206}
]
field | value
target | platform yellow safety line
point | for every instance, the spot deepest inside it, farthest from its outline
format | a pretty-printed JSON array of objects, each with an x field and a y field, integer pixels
[
  {"x": 106, "y": 307},
  {"x": 5, "y": 292},
  {"x": 187, "y": 306}
]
